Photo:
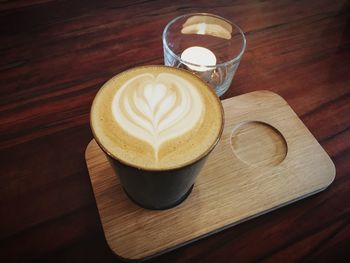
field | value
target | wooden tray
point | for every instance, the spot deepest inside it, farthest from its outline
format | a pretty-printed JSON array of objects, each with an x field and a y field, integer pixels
[{"x": 266, "y": 159}]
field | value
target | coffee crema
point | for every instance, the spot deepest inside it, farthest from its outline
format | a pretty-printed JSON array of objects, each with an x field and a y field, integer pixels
[{"x": 156, "y": 117}]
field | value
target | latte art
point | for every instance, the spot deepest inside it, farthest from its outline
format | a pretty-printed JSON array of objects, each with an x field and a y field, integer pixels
[
  {"x": 156, "y": 118},
  {"x": 158, "y": 108}
]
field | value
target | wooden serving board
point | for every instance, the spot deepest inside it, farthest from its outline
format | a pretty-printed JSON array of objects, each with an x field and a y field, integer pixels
[{"x": 266, "y": 159}]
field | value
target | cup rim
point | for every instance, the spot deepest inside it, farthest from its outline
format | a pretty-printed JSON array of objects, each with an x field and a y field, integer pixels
[
  {"x": 198, "y": 158},
  {"x": 235, "y": 59}
]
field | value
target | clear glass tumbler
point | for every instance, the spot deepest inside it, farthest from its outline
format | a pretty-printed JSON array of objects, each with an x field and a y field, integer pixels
[{"x": 208, "y": 45}]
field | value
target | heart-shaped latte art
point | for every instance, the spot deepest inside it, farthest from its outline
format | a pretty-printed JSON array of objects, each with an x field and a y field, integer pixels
[{"x": 158, "y": 108}]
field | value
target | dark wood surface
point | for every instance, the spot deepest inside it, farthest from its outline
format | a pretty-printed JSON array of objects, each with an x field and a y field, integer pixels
[{"x": 54, "y": 56}]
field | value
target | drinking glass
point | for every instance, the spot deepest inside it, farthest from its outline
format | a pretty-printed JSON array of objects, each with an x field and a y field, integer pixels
[{"x": 208, "y": 45}]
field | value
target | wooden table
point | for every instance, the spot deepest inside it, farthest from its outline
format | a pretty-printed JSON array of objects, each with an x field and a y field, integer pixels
[{"x": 54, "y": 56}]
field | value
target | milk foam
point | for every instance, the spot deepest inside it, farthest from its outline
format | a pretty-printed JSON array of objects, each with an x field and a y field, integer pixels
[{"x": 158, "y": 108}]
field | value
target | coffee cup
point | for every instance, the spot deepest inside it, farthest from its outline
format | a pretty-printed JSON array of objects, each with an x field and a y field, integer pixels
[{"x": 156, "y": 125}]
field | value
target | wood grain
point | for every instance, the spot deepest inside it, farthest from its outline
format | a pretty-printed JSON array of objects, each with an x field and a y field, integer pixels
[
  {"x": 282, "y": 162},
  {"x": 56, "y": 54}
]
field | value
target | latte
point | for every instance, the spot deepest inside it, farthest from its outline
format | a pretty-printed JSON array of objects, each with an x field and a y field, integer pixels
[{"x": 156, "y": 118}]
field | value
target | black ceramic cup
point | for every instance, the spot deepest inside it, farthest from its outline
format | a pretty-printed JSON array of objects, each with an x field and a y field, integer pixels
[{"x": 162, "y": 188}]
